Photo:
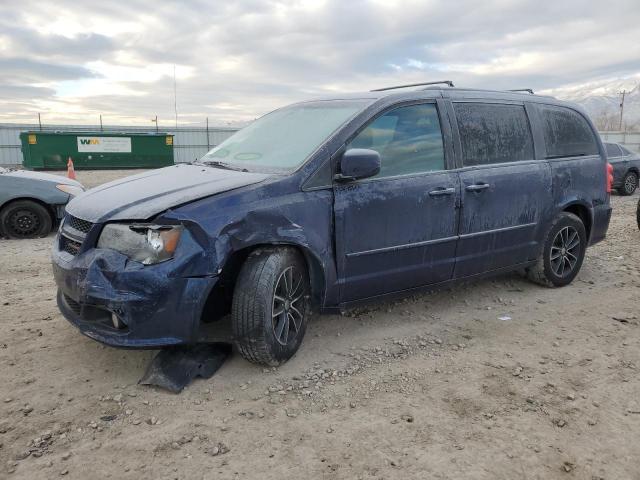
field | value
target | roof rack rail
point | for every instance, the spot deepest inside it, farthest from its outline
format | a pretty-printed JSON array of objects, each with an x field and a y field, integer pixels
[
  {"x": 446, "y": 82},
  {"x": 522, "y": 90}
]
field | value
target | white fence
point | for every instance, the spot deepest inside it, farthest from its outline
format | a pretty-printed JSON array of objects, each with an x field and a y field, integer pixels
[
  {"x": 189, "y": 143},
  {"x": 631, "y": 140}
]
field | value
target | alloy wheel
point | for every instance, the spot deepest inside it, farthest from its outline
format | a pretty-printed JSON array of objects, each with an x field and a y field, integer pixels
[
  {"x": 630, "y": 183},
  {"x": 288, "y": 306},
  {"x": 565, "y": 251}
]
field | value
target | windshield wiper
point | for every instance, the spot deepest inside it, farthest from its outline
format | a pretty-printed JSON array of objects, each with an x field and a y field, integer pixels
[{"x": 219, "y": 164}]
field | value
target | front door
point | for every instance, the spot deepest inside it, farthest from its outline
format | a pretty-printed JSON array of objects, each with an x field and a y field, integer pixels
[{"x": 397, "y": 230}]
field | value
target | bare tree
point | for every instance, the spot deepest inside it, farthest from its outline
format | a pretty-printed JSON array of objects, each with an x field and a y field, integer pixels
[
  {"x": 631, "y": 125},
  {"x": 606, "y": 120}
]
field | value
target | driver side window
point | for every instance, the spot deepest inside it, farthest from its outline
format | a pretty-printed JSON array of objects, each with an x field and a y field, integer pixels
[{"x": 408, "y": 139}]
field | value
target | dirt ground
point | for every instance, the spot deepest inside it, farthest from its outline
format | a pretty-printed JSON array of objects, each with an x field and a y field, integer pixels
[{"x": 498, "y": 379}]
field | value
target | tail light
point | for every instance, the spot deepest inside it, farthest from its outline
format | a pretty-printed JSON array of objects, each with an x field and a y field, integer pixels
[{"x": 609, "y": 177}]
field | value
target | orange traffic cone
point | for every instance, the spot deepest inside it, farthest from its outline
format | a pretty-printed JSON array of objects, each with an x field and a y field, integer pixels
[{"x": 71, "y": 173}]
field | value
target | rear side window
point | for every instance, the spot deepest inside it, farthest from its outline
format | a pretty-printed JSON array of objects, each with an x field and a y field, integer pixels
[
  {"x": 493, "y": 133},
  {"x": 408, "y": 140},
  {"x": 567, "y": 133},
  {"x": 625, "y": 151},
  {"x": 612, "y": 150}
]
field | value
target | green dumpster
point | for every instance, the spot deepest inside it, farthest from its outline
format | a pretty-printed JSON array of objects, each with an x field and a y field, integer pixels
[{"x": 95, "y": 150}]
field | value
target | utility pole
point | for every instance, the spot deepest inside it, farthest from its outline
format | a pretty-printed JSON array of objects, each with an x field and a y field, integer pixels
[
  {"x": 39, "y": 121},
  {"x": 100, "y": 122},
  {"x": 155, "y": 120},
  {"x": 208, "y": 147},
  {"x": 624, "y": 94}
]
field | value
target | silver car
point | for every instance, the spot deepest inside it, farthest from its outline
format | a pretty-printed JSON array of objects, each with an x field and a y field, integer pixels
[{"x": 32, "y": 203}]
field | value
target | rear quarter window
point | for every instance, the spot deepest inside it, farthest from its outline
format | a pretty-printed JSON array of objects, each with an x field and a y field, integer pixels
[
  {"x": 493, "y": 133},
  {"x": 566, "y": 133},
  {"x": 613, "y": 150},
  {"x": 625, "y": 151}
]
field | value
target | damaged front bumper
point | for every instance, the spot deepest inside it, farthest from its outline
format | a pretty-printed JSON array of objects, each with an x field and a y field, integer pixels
[{"x": 123, "y": 303}]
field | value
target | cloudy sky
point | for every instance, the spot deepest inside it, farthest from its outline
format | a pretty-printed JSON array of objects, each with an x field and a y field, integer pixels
[{"x": 234, "y": 60}]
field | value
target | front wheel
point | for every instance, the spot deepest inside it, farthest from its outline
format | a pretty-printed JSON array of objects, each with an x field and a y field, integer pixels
[
  {"x": 562, "y": 254},
  {"x": 271, "y": 305},
  {"x": 25, "y": 219},
  {"x": 629, "y": 183}
]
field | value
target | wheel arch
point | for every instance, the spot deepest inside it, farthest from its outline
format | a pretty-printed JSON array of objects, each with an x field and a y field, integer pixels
[
  {"x": 584, "y": 212},
  {"x": 222, "y": 292}
]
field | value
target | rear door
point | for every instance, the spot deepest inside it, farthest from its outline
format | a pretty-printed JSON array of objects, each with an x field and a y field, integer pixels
[
  {"x": 631, "y": 160},
  {"x": 505, "y": 191},
  {"x": 397, "y": 230}
]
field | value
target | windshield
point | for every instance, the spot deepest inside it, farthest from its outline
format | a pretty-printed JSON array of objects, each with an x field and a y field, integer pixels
[{"x": 283, "y": 139}]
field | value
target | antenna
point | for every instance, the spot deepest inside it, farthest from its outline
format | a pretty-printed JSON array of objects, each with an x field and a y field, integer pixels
[
  {"x": 175, "y": 95},
  {"x": 446, "y": 82}
]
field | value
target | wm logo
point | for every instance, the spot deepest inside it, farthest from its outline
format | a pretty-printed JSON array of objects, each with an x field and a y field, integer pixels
[{"x": 89, "y": 141}]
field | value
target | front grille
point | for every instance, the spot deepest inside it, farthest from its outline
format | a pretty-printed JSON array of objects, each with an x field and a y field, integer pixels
[
  {"x": 73, "y": 305},
  {"x": 73, "y": 232},
  {"x": 78, "y": 224},
  {"x": 70, "y": 246},
  {"x": 98, "y": 316}
]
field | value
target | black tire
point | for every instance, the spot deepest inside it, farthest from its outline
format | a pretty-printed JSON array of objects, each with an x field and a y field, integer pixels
[
  {"x": 260, "y": 334},
  {"x": 25, "y": 219},
  {"x": 567, "y": 259},
  {"x": 629, "y": 184}
]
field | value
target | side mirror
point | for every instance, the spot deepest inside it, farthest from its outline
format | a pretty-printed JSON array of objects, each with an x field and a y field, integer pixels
[{"x": 358, "y": 163}]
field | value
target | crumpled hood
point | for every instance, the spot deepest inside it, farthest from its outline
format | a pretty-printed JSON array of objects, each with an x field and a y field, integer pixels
[
  {"x": 142, "y": 196},
  {"x": 47, "y": 177}
]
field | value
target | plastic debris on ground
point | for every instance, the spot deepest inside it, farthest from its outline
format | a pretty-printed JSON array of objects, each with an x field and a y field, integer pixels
[{"x": 174, "y": 368}]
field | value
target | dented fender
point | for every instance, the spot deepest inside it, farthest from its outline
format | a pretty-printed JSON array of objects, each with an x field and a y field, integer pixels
[{"x": 226, "y": 226}]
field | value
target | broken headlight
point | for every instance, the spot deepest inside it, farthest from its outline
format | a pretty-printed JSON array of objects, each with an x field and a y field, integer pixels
[{"x": 147, "y": 244}]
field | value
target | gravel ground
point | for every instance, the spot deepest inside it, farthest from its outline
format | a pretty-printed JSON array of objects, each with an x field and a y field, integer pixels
[{"x": 497, "y": 379}]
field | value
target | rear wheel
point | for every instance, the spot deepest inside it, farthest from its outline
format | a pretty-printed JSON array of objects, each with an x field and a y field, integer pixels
[
  {"x": 562, "y": 253},
  {"x": 25, "y": 219},
  {"x": 629, "y": 183},
  {"x": 271, "y": 305}
]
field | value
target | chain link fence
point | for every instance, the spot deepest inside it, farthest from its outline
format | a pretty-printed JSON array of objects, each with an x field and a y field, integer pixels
[{"x": 190, "y": 143}]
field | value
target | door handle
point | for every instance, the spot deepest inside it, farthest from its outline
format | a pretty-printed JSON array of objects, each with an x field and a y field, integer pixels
[
  {"x": 477, "y": 187},
  {"x": 442, "y": 191}
]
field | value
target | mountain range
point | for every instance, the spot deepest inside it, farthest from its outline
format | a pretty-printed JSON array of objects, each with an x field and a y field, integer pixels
[{"x": 602, "y": 100}]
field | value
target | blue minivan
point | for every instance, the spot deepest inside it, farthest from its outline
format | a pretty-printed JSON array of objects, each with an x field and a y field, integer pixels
[{"x": 326, "y": 204}]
